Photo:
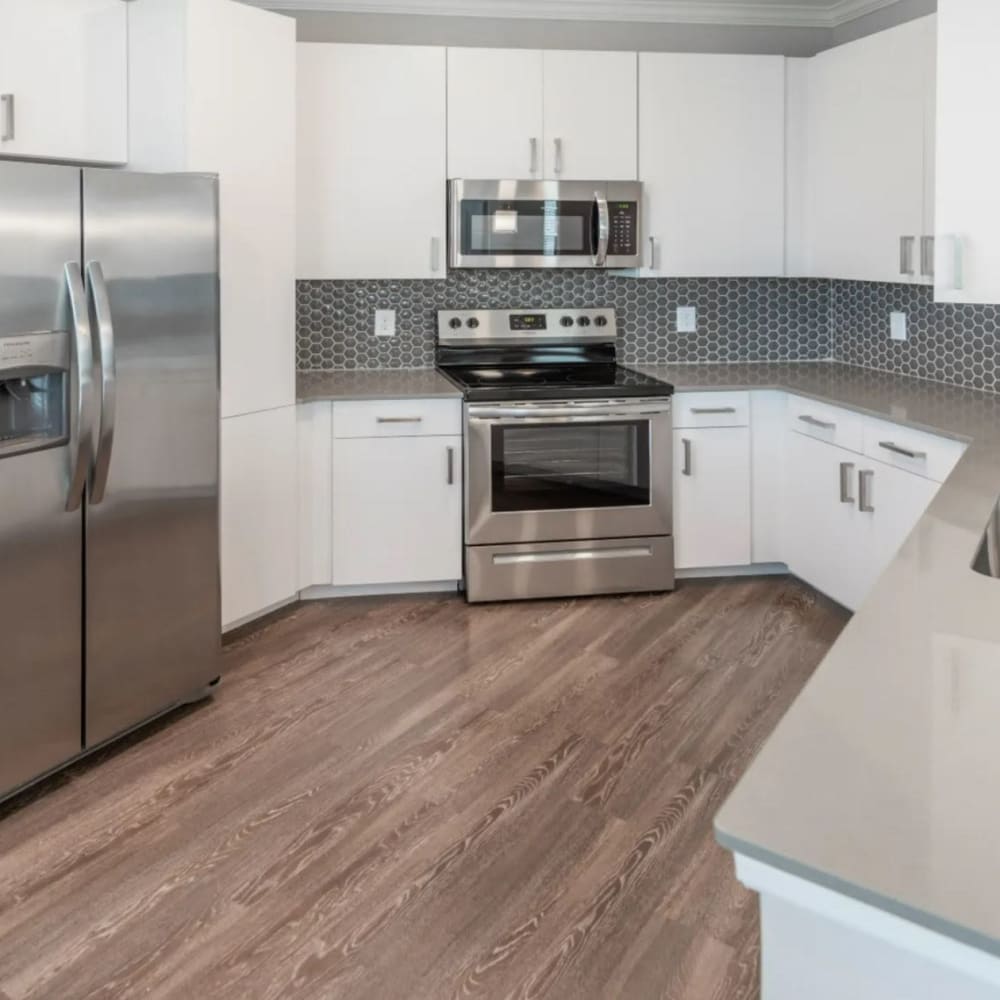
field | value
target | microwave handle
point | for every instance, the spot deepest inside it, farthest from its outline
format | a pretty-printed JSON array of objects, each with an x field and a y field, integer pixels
[{"x": 603, "y": 229}]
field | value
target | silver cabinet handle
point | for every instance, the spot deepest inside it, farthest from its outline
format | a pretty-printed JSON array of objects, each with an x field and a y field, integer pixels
[
  {"x": 927, "y": 256},
  {"x": 866, "y": 482},
  {"x": 900, "y": 450},
  {"x": 533, "y": 141},
  {"x": 951, "y": 266},
  {"x": 86, "y": 401},
  {"x": 7, "y": 109},
  {"x": 846, "y": 474},
  {"x": 703, "y": 410},
  {"x": 652, "y": 253},
  {"x": 398, "y": 420},
  {"x": 451, "y": 465},
  {"x": 816, "y": 422},
  {"x": 906, "y": 244},
  {"x": 686, "y": 469},
  {"x": 435, "y": 254},
  {"x": 558, "y": 164},
  {"x": 106, "y": 358},
  {"x": 603, "y": 229}
]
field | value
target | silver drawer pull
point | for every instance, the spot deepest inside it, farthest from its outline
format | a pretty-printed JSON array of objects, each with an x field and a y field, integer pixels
[
  {"x": 846, "y": 473},
  {"x": 706, "y": 410},
  {"x": 900, "y": 450},
  {"x": 398, "y": 420},
  {"x": 574, "y": 555},
  {"x": 906, "y": 245},
  {"x": 816, "y": 422}
]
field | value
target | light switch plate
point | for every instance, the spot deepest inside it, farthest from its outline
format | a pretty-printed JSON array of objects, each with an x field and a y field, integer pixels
[
  {"x": 687, "y": 319},
  {"x": 897, "y": 325},
  {"x": 385, "y": 322}
]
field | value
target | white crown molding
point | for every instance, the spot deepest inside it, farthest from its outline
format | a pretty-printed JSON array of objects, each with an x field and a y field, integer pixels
[{"x": 740, "y": 13}]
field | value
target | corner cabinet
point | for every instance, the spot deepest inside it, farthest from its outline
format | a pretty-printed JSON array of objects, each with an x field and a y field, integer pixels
[
  {"x": 371, "y": 161},
  {"x": 967, "y": 265},
  {"x": 64, "y": 80},
  {"x": 712, "y": 164},
  {"x": 527, "y": 114}
]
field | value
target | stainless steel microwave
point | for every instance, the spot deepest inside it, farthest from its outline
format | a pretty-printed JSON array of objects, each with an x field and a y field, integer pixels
[{"x": 544, "y": 223}]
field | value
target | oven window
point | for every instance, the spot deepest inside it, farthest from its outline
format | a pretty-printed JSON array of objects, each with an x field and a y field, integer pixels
[
  {"x": 570, "y": 466},
  {"x": 527, "y": 228}
]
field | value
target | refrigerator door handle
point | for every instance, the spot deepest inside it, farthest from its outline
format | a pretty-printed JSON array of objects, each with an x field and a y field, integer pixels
[
  {"x": 106, "y": 358},
  {"x": 86, "y": 415}
]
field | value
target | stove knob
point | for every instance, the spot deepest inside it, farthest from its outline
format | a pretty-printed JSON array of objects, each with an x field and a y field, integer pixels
[
  {"x": 472, "y": 323},
  {"x": 583, "y": 321},
  {"x": 454, "y": 322},
  {"x": 566, "y": 321},
  {"x": 601, "y": 321}
]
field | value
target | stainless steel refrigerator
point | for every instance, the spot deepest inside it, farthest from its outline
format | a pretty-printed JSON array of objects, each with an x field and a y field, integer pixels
[{"x": 109, "y": 456}]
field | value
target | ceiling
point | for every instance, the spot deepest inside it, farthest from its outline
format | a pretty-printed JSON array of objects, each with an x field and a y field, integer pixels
[{"x": 777, "y": 13}]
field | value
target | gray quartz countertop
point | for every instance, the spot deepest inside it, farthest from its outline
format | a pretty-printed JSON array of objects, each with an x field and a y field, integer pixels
[
  {"x": 413, "y": 383},
  {"x": 882, "y": 781}
]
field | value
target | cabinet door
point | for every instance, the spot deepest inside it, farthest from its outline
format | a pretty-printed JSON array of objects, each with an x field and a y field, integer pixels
[
  {"x": 64, "y": 74},
  {"x": 899, "y": 499},
  {"x": 371, "y": 161},
  {"x": 258, "y": 501},
  {"x": 495, "y": 127},
  {"x": 820, "y": 522},
  {"x": 711, "y": 162},
  {"x": 397, "y": 510},
  {"x": 712, "y": 497},
  {"x": 967, "y": 265},
  {"x": 590, "y": 116},
  {"x": 866, "y": 156}
]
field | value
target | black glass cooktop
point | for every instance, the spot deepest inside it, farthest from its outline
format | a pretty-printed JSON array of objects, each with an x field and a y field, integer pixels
[{"x": 580, "y": 380}]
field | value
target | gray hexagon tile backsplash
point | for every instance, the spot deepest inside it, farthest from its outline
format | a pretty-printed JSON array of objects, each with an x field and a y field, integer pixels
[{"x": 739, "y": 319}]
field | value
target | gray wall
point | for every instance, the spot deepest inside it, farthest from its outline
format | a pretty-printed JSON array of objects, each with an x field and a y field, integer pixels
[{"x": 403, "y": 29}]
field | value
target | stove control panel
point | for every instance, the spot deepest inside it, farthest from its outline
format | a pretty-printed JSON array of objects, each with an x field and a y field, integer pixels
[{"x": 526, "y": 326}]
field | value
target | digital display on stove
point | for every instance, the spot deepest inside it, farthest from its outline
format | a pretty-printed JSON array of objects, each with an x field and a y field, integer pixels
[{"x": 528, "y": 321}]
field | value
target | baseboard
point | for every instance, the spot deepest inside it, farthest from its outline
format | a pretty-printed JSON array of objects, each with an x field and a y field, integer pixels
[
  {"x": 711, "y": 572},
  {"x": 247, "y": 619},
  {"x": 323, "y": 593}
]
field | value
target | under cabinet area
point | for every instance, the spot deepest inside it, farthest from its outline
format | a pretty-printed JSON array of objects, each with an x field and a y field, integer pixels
[
  {"x": 73, "y": 103},
  {"x": 528, "y": 114}
]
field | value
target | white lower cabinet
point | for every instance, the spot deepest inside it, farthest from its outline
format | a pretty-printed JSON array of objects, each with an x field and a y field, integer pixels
[
  {"x": 397, "y": 510},
  {"x": 258, "y": 513},
  {"x": 711, "y": 497}
]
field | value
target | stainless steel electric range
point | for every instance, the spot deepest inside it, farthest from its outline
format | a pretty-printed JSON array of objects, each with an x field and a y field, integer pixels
[{"x": 567, "y": 456}]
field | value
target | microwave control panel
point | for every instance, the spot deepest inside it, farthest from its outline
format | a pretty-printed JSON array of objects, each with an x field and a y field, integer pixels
[{"x": 624, "y": 228}]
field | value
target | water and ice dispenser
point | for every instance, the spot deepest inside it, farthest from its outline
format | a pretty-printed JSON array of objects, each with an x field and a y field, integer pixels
[{"x": 34, "y": 392}]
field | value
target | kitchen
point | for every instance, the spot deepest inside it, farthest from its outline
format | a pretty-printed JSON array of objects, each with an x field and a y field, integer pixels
[{"x": 571, "y": 439}]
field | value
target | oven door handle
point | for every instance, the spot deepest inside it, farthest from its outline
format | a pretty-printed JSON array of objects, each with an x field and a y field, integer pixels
[{"x": 568, "y": 416}]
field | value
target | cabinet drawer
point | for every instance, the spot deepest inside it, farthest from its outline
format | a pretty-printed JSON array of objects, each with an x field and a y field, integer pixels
[
  {"x": 826, "y": 423},
  {"x": 397, "y": 418},
  {"x": 712, "y": 409},
  {"x": 915, "y": 451}
]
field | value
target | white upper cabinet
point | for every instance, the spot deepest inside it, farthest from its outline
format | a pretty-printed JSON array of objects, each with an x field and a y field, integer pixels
[
  {"x": 866, "y": 158},
  {"x": 590, "y": 116},
  {"x": 968, "y": 207},
  {"x": 64, "y": 80},
  {"x": 371, "y": 161},
  {"x": 199, "y": 101},
  {"x": 711, "y": 160},
  {"x": 495, "y": 127},
  {"x": 529, "y": 115}
]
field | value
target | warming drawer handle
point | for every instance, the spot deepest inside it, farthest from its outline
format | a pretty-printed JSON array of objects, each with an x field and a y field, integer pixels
[
  {"x": 573, "y": 555},
  {"x": 86, "y": 413}
]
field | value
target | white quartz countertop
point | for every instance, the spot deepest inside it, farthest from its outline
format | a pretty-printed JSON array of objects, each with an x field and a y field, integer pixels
[{"x": 401, "y": 383}]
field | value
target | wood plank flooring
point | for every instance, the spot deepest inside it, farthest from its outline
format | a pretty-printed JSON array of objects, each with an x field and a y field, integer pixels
[{"x": 413, "y": 798}]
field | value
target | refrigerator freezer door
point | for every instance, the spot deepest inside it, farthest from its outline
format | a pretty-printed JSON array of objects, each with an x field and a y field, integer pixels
[
  {"x": 40, "y": 542},
  {"x": 152, "y": 553}
]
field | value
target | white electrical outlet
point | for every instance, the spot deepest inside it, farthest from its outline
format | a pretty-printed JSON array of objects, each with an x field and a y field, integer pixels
[
  {"x": 687, "y": 319},
  {"x": 897, "y": 325},
  {"x": 385, "y": 322}
]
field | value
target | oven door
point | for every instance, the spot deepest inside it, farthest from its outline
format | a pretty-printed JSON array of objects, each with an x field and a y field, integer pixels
[
  {"x": 534, "y": 224},
  {"x": 562, "y": 471}
]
